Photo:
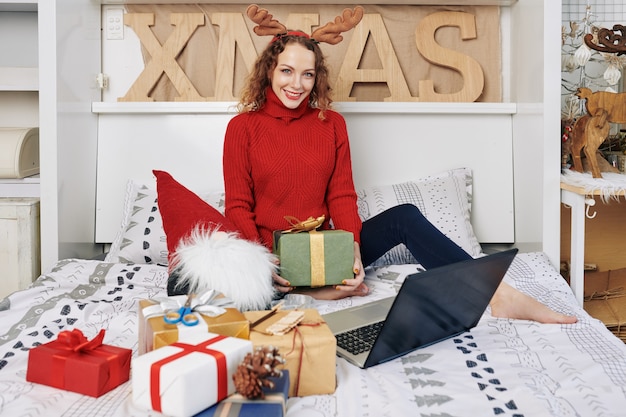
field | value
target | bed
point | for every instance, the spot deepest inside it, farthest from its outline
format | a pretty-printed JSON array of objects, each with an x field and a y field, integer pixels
[
  {"x": 473, "y": 168},
  {"x": 500, "y": 367}
]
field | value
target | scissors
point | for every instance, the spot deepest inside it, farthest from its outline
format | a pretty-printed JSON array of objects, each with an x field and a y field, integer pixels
[{"x": 182, "y": 315}]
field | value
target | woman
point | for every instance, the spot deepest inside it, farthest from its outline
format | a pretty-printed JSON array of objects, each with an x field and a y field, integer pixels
[{"x": 287, "y": 153}]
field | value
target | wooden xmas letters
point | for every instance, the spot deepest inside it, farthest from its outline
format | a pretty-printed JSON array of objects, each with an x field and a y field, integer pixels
[{"x": 236, "y": 42}]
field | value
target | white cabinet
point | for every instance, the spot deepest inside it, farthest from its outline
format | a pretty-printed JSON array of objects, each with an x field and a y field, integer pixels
[
  {"x": 49, "y": 60},
  {"x": 19, "y": 243}
]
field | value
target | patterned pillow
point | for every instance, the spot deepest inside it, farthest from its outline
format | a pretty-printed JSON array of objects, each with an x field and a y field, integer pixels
[
  {"x": 141, "y": 238},
  {"x": 444, "y": 199}
]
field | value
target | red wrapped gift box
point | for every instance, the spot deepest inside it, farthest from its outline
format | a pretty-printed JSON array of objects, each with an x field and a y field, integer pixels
[{"x": 76, "y": 364}]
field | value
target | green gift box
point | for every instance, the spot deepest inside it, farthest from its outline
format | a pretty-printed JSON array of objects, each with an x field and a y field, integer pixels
[{"x": 315, "y": 258}]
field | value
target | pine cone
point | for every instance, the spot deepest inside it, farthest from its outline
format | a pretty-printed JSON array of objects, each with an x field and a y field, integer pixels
[{"x": 253, "y": 372}]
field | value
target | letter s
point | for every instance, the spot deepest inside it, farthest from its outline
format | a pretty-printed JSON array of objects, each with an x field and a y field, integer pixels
[{"x": 469, "y": 68}]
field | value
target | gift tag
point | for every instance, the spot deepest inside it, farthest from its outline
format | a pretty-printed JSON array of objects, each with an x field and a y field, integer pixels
[{"x": 286, "y": 323}]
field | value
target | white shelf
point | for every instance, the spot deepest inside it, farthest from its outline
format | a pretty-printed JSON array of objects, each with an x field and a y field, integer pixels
[
  {"x": 20, "y": 187},
  {"x": 18, "y": 6},
  {"x": 426, "y": 108},
  {"x": 343, "y": 107},
  {"x": 19, "y": 79},
  {"x": 33, "y": 179}
]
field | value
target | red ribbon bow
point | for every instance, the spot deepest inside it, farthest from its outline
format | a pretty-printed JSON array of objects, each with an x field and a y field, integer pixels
[
  {"x": 73, "y": 347},
  {"x": 76, "y": 341}
]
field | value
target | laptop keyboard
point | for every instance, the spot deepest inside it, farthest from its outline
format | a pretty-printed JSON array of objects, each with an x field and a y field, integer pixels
[{"x": 359, "y": 340}]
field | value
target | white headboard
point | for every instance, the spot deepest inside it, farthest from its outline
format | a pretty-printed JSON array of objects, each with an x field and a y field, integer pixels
[{"x": 390, "y": 143}]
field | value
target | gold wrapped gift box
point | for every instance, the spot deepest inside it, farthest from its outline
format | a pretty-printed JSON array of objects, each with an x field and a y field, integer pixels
[
  {"x": 309, "y": 349},
  {"x": 315, "y": 259},
  {"x": 154, "y": 332}
]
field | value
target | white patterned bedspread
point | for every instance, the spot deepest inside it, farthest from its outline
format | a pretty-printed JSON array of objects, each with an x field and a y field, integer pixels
[{"x": 501, "y": 368}]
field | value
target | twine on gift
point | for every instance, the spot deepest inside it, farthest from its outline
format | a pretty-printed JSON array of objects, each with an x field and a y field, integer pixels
[
  {"x": 616, "y": 317},
  {"x": 220, "y": 358},
  {"x": 607, "y": 295},
  {"x": 297, "y": 333}
]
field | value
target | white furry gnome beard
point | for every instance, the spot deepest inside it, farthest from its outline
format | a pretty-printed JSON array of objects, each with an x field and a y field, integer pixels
[{"x": 239, "y": 269}]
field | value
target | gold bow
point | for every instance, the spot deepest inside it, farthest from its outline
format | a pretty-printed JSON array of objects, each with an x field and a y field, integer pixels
[{"x": 307, "y": 225}]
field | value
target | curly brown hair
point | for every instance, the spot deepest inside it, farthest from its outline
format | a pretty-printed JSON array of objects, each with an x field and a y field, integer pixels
[{"x": 253, "y": 94}]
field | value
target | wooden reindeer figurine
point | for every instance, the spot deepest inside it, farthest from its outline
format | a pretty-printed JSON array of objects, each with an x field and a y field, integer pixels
[
  {"x": 593, "y": 128},
  {"x": 587, "y": 135}
]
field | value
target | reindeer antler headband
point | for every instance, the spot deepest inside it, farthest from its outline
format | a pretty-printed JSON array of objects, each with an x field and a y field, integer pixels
[{"x": 329, "y": 33}]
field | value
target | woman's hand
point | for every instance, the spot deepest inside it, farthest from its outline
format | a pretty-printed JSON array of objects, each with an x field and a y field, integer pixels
[
  {"x": 280, "y": 283},
  {"x": 356, "y": 286},
  {"x": 349, "y": 287}
]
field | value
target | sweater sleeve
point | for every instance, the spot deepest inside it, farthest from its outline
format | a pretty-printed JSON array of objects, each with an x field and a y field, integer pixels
[
  {"x": 239, "y": 200},
  {"x": 341, "y": 195}
]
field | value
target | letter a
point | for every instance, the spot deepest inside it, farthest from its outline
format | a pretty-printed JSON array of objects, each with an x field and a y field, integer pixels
[{"x": 391, "y": 73}]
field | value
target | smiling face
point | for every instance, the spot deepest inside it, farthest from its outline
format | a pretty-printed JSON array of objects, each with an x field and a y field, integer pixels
[{"x": 294, "y": 75}]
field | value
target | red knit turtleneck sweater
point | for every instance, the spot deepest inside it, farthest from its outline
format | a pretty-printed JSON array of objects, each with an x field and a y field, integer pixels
[{"x": 281, "y": 162}]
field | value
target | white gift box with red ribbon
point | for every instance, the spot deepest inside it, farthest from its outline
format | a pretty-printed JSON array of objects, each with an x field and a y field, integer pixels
[{"x": 188, "y": 376}]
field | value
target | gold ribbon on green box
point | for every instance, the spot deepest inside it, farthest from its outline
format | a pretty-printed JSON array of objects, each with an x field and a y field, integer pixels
[{"x": 313, "y": 258}]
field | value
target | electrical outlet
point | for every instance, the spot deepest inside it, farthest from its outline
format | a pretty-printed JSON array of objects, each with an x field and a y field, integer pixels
[
  {"x": 102, "y": 80},
  {"x": 114, "y": 24}
]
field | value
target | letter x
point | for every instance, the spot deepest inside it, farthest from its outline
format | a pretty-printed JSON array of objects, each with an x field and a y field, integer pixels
[{"x": 163, "y": 57}]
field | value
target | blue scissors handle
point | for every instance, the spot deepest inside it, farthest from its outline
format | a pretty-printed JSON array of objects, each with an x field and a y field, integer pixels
[{"x": 183, "y": 315}]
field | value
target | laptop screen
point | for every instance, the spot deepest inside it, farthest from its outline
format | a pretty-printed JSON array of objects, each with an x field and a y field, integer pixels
[{"x": 438, "y": 304}]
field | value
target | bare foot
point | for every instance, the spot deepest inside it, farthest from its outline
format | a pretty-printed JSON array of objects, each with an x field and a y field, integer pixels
[
  {"x": 510, "y": 303},
  {"x": 331, "y": 293}
]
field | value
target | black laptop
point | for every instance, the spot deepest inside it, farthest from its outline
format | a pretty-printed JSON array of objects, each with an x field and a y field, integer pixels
[{"x": 430, "y": 306}]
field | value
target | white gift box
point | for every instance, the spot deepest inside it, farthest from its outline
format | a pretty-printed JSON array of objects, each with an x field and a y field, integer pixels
[{"x": 186, "y": 377}]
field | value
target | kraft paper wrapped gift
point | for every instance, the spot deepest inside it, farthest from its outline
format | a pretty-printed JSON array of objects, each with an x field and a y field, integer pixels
[
  {"x": 154, "y": 332},
  {"x": 315, "y": 258},
  {"x": 74, "y": 363},
  {"x": 309, "y": 349},
  {"x": 605, "y": 299},
  {"x": 188, "y": 376},
  {"x": 273, "y": 405}
]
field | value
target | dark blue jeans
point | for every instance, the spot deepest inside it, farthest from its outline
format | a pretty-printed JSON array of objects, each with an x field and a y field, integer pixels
[{"x": 406, "y": 224}]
